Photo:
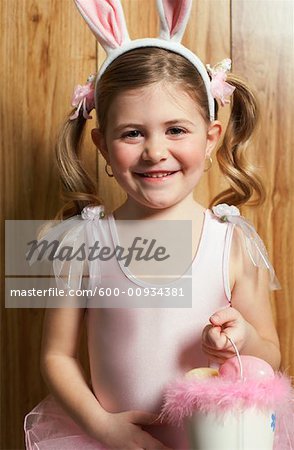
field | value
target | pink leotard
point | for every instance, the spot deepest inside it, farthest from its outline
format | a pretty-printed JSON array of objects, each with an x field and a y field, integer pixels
[{"x": 135, "y": 352}]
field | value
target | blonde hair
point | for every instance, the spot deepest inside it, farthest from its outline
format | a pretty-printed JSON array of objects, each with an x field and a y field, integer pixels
[{"x": 142, "y": 67}]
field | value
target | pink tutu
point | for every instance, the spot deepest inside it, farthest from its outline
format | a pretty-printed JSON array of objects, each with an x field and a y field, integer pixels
[{"x": 48, "y": 427}]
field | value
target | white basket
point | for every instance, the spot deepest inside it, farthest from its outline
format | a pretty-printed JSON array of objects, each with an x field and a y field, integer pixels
[{"x": 250, "y": 430}]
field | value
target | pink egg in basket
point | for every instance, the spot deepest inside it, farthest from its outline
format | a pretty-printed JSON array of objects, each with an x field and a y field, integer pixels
[{"x": 253, "y": 368}]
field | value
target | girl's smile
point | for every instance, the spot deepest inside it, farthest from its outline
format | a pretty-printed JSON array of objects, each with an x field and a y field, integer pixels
[
  {"x": 156, "y": 176},
  {"x": 156, "y": 143}
]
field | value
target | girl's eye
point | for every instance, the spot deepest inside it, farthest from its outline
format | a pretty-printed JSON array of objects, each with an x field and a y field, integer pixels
[
  {"x": 132, "y": 134},
  {"x": 177, "y": 130}
]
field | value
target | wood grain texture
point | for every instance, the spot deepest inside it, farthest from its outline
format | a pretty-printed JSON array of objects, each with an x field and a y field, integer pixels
[
  {"x": 262, "y": 51},
  {"x": 209, "y": 36},
  {"x": 46, "y": 49},
  {"x": 45, "y": 52}
]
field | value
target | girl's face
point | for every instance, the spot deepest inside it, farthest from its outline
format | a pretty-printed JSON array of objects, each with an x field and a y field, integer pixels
[{"x": 156, "y": 143}]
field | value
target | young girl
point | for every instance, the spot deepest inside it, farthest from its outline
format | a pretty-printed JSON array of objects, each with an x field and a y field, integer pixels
[{"x": 157, "y": 129}]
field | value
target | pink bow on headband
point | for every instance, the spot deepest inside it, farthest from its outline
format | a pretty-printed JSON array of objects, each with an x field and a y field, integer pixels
[
  {"x": 83, "y": 97},
  {"x": 219, "y": 88}
]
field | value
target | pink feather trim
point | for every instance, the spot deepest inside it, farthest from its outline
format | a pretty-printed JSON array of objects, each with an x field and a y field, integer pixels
[{"x": 219, "y": 395}]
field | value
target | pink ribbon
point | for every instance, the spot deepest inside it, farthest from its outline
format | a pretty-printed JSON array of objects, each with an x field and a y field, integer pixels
[
  {"x": 83, "y": 97},
  {"x": 219, "y": 88}
]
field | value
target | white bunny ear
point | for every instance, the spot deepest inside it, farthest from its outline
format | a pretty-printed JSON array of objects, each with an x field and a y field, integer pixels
[
  {"x": 106, "y": 20},
  {"x": 174, "y": 15}
]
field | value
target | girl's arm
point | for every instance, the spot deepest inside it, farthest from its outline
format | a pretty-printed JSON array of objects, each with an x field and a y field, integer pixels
[
  {"x": 65, "y": 378},
  {"x": 62, "y": 370},
  {"x": 250, "y": 321}
]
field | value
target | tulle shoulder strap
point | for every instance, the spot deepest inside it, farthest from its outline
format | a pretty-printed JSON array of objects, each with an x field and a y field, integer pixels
[
  {"x": 254, "y": 244},
  {"x": 67, "y": 244}
]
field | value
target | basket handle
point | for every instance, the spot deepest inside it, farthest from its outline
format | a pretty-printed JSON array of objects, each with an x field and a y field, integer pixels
[{"x": 238, "y": 357}]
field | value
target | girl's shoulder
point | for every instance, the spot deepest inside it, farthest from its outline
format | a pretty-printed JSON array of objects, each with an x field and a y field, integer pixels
[
  {"x": 60, "y": 228},
  {"x": 248, "y": 252},
  {"x": 66, "y": 244}
]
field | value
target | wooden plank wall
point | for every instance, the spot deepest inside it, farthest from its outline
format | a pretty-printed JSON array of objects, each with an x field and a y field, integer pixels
[{"x": 45, "y": 50}]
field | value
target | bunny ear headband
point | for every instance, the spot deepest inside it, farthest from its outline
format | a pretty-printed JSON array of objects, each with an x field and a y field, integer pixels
[{"x": 106, "y": 20}]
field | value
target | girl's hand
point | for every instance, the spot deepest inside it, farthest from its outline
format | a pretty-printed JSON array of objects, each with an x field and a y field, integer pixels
[
  {"x": 224, "y": 322},
  {"x": 123, "y": 431}
]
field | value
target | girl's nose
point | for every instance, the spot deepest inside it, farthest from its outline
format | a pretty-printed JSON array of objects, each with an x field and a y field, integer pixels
[{"x": 154, "y": 152}]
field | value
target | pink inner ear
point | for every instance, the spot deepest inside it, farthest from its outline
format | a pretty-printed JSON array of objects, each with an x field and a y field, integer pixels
[
  {"x": 175, "y": 12},
  {"x": 105, "y": 16}
]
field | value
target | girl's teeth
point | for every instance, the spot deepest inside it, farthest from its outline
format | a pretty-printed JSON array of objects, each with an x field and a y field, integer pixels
[{"x": 157, "y": 175}]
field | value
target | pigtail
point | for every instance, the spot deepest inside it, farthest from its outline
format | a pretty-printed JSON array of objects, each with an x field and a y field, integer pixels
[
  {"x": 242, "y": 177},
  {"x": 77, "y": 187}
]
